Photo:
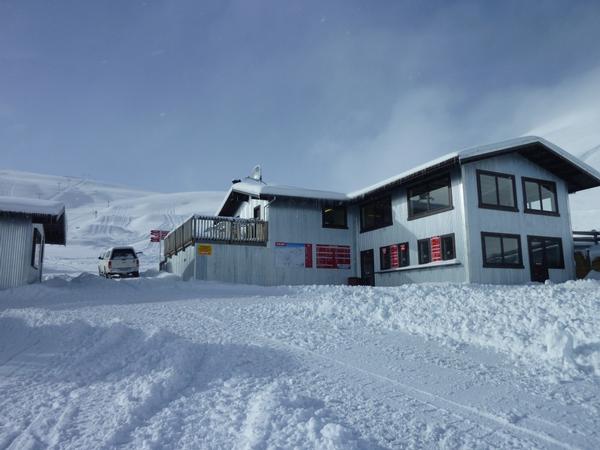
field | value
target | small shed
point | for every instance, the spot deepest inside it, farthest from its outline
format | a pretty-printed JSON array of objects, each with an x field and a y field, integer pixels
[{"x": 26, "y": 225}]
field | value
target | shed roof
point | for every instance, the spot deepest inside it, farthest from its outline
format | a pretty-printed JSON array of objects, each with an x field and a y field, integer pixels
[
  {"x": 576, "y": 173},
  {"x": 50, "y": 214}
]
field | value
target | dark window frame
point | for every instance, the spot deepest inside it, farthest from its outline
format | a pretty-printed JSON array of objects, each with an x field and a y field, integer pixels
[
  {"x": 419, "y": 241},
  {"x": 497, "y": 206},
  {"x": 254, "y": 215},
  {"x": 544, "y": 239},
  {"x": 411, "y": 215},
  {"x": 503, "y": 265},
  {"x": 339, "y": 227},
  {"x": 389, "y": 250},
  {"x": 364, "y": 229},
  {"x": 449, "y": 235},
  {"x": 540, "y": 182}
]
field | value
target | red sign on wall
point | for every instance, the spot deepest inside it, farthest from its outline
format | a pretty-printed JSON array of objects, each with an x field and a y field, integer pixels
[
  {"x": 394, "y": 260},
  {"x": 436, "y": 248},
  {"x": 308, "y": 259},
  {"x": 333, "y": 256}
]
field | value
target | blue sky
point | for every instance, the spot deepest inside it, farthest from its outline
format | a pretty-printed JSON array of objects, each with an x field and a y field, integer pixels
[{"x": 187, "y": 95}]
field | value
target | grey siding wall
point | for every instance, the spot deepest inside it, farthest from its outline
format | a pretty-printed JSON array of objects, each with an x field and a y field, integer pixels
[
  {"x": 403, "y": 230},
  {"x": 290, "y": 221},
  {"x": 480, "y": 219},
  {"x": 16, "y": 236}
]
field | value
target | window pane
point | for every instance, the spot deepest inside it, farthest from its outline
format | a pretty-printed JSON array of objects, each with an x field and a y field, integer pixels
[
  {"x": 548, "y": 199},
  {"x": 553, "y": 253},
  {"x": 439, "y": 196},
  {"x": 376, "y": 214},
  {"x": 448, "y": 247},
  {"x": 506, "y": 192},
  {"x": 488, "y": 189},
  {"x": 424, "y": 253},
  {"x": 493, "y": 250},
  {"x": 532, "y": 195},
  {"x": 384, "y": 255},
  {"x": 419, "y": 202},
  {"x": 334, "y": 216},
  {"x": 511, "y": 251},
  {"x": 537, "y": 251},
  {"x": 403, "y": 254}
]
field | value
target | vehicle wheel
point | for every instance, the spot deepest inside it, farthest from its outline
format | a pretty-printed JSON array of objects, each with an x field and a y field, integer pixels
[{"x": 136, "y": 274}]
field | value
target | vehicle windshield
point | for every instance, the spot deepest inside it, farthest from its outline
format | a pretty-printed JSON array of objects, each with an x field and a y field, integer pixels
[{"x": 123, "y": 253}]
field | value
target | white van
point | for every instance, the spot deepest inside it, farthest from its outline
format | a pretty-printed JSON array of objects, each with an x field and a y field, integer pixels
[{"x": 119, "y": 262}]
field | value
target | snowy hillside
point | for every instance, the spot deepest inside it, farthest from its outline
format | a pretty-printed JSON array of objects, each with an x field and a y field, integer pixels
[{"x": 100, "y": 215}]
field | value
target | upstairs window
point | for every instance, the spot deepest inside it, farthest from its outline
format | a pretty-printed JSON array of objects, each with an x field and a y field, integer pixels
[
  {"x": 376, "y": 214},
  {"x": 257, "y": 212},
  {"x": 394, "y": 256},
  {"x": 335, "y": 217},
  {"x": 540, "y": 197},
  {"x": 428, "y": 198},
  {"x": 496, "y": 190},
  {"x": 501, "y": 250}
]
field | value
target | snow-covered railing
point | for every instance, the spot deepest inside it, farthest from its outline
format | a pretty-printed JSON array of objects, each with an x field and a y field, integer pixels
[
  {"x": 590, "y": 237},
  {"x": 227, "y": 230}
]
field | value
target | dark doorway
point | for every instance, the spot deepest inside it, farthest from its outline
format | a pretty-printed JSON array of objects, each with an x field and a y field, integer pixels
[
  {"x": 367, "y": 267},
  {"x": 544, "y": 253}
]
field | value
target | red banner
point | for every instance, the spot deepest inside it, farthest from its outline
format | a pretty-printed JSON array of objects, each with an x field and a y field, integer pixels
[
  {"x": 436, "y": 248},
  {"x": 308, "y": 258},
  {"x": 333, "y": 256}
]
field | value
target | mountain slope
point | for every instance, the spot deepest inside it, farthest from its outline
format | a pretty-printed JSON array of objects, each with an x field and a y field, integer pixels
[{"x": 101, "y": 215}]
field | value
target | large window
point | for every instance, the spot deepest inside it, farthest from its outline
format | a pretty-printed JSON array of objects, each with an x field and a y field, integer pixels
[
  {"x": 376, "y": 214},
  {"x": 546, "y": 251},
  {"x": 431, "y": 197},
  {"x": 496, "y": 190},
  {"x": 437, "y": 248},
  {"x": 394, "y": 256},
  {"x": 335, "y": 217},
  {"x": 501, "y": 250},
  {"x": 540, "y": 196}
]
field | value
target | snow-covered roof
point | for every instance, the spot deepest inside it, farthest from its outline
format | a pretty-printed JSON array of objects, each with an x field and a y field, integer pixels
[
  {"x": 48, "y": 213},
  {"x": 20, "y": 205},
  {"x": 577, "y": 174},
  {"x": 260, "y": 189}
]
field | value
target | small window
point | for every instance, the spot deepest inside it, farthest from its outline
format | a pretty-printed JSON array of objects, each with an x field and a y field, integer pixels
[
  {"x": 257, "y": 212},
  {"x": 540, "y": 197},
  {"x": 424, "y": 251},
  {"x": 335, "y": 217},
  {"x": 501, "y": 250},
  {"x": 36, "y": 248},
  {"x": 123, "y": 253},
  {"x": 376, "y": 214},
  {"x": 431, "y": 197},
  {"x": 394, "y": 256},
  {"x": 496, "y": 190},
  {"x": 448, "y": 250},
  {"x": 546, "y": 251}
]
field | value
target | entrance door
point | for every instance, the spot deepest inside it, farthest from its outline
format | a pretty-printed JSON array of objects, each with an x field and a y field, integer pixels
[
  {"x": 537, "y": 260},
  {"x": 367, "y": 267}
]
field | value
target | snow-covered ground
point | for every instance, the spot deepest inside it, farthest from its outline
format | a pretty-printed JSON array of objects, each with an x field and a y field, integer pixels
[{"x": 160, "y": 363}]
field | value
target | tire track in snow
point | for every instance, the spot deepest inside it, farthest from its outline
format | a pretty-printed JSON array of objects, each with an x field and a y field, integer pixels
[{"x": 427, "y": 398}]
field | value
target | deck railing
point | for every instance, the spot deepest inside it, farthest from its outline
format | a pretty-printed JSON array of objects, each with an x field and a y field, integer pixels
[
  {"x": 227, "y": 230},
  {"x": 590, "y": 237}
]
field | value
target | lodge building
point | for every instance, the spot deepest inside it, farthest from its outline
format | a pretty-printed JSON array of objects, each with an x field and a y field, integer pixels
[{"x": 491, "y": 214}]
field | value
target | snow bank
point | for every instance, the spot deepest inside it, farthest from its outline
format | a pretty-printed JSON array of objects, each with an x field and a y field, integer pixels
[{"x": 555, "y": 326}]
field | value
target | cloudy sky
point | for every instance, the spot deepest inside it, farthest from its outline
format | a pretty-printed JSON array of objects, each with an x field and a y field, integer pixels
[{"x": 187, "y": 95}]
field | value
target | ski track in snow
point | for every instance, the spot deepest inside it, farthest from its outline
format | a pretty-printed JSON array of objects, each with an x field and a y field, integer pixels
[{"x": 156, "y": 362}]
